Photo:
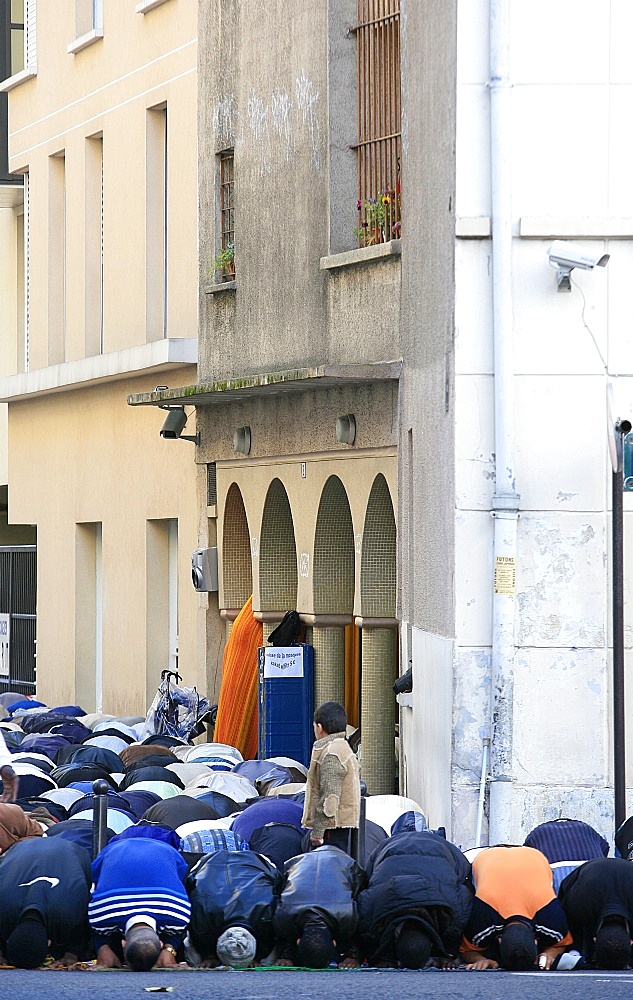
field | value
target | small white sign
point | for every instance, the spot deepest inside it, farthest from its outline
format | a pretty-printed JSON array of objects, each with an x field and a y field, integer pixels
[
  {"x": 5, "y": 641},
  {"x": 283, "y": 661}
]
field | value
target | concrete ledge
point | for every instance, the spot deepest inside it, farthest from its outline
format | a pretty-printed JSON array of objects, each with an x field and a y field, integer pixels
[
  {"x": 213, "y": 287},
  {"x": 475, "y": 227},
  {"x": 326, "y": 621},
  {"x": 324, "y": 376},
  {"x": 362, "y": 255},
  {"x": 17, "y": 79},
  {"x": 365, "y": 622},
  {"x": 156, "y": 356},
  {"x": 146, "y": 5},
  {"x": 84, "y": 41},
  {"x": 557, "y": 227}
]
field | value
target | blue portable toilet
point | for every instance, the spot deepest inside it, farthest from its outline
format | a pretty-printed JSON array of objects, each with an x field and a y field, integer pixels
[{"x": 286, "y": 702}]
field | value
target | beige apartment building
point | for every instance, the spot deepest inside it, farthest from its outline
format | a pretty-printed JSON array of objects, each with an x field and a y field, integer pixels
[{"x": 102, "y": 283}]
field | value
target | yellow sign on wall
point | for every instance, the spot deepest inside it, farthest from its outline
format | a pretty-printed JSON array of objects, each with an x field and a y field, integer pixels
[{"x": 504, "y": 575}]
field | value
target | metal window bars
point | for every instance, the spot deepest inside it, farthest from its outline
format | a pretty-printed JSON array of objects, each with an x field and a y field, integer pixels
[
  {"x": 227, "y": 209},
  {"x": 379, "y": 120}
]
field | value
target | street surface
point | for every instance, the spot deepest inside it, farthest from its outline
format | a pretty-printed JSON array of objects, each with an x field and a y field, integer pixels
[{"x": 20, "y": 984}]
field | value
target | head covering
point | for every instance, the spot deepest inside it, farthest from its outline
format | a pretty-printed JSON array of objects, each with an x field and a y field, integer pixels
[
  {"x": 178, "y": 810},
  {"x": 27, "y": 944},
  {"x": 236, "y": 947},
  {"x": 408, "y": 822},
  {"x": 16, "y": 825},
  {"x": 199, "y": 839}
]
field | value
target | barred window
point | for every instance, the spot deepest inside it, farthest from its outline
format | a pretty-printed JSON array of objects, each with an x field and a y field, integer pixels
[
  {"x": 225, "y": 258},
  {"x": 379, "y": 144}
]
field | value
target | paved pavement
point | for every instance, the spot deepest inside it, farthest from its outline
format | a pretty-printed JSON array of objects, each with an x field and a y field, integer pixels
[{"x": 384, "y": 984}]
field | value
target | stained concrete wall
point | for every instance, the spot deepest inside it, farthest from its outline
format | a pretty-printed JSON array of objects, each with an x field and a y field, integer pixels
[
  {"x": 427, "y": 479},
  {"x": 285, "y": 101}
]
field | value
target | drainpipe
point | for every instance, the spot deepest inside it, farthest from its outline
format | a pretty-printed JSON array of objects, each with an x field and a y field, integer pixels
[{"x": 505, "y": 502}]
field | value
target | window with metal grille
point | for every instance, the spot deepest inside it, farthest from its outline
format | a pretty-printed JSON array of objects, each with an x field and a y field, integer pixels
[
  {"x": 379, "y": 144},
  {"x": 225, "y": 259}
]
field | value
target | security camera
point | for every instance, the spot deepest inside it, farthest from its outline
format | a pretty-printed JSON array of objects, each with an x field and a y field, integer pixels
[
  {"x": 174, "y": 423},
  {"x": 564, "y": 254}
]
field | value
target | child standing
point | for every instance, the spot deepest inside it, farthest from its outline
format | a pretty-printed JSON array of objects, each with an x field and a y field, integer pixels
[{"x": 332, "y": 800}]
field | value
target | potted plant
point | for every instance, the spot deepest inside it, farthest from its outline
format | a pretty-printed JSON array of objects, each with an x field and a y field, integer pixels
[
  {"x": 225, "y": 262},
  {"x": 378, "y": 219}
]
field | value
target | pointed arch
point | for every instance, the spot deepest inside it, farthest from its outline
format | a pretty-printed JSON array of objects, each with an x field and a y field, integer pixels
[
  {"x": 237, "y": 570},
  {"x": 333, "y": 568},
  {"x": 378, "y": 560},
  {"x": 277, "y": 552}
]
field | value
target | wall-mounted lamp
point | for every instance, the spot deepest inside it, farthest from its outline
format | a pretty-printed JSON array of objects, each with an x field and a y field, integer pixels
[
  {"x": 174, "y": 425},
  {"x": 565, "y": 256},
  {"x": 346, "y": 429},
  {"x": 242, "y": 440}
]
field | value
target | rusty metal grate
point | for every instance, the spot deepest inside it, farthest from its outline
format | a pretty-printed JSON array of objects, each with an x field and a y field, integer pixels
[
  {"x": 379, "y": 120},
  {"x": 227, "y": 201}
]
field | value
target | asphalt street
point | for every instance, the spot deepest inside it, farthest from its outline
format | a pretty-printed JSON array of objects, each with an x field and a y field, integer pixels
[{"x": 343, "y": 985}]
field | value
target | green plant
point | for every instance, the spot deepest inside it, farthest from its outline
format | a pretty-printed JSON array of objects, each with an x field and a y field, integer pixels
[
  {"x": 225, "y": 259},
  {"x": 377, "y": 218}
]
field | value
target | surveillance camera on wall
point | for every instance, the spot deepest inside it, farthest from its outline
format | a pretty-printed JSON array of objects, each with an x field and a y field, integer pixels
[
  {"x": 174, "y": 425},
  {"x": 565, "y": 254}
]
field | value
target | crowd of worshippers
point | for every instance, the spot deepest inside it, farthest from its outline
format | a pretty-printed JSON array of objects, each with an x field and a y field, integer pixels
[{"x": 214, "y": 861}]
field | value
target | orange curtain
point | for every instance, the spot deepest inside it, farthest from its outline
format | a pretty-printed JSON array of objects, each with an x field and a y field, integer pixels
[
  {"x": 352, "y": 675},
  {"x": 236, "y": 723}
]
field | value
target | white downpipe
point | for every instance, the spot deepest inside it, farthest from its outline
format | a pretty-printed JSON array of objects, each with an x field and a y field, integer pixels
[
  {"x": 506, "y": 500},
  {"x": 485, "y": 755}
]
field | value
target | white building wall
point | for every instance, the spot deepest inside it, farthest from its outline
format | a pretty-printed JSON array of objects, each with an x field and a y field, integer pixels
[{"x": 571, "y": 153}]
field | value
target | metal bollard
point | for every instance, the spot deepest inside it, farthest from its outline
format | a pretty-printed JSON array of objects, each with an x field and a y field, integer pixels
[
  {"x": 100, "y": 787},
  {"x": 357, "y": 849}
]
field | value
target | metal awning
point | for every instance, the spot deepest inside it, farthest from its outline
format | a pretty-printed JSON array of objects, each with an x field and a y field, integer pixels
[{"x": 269, "y": 384}]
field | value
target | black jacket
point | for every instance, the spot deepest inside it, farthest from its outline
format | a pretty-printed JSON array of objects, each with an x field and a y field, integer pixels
[
  {"x": 232, "y": 889},
  {"x": 419, "y": 876},
  {"x": 602, "y": 887},
  {"x": 52, "y": 876},
  {"x": 323, "y": 883}
]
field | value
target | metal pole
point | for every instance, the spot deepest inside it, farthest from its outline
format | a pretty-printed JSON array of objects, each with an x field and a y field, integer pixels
[
  {"x": 617, "y": 530},
  {"x": 357, "y": 844},
  {"x": 100, "y": 788}
]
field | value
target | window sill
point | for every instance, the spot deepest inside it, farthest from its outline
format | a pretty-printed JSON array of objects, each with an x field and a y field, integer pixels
[
  {"x": 146, "y": 5},
  {"x": 17, "y": 79},
  {"x": 362, "y": 255},
  {"x": 84, "y": 41},
  {"x": 213, "y": 287}
]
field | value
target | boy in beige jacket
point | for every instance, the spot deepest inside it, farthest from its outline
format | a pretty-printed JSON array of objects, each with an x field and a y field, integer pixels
[{"x": 332, "y": 801}]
